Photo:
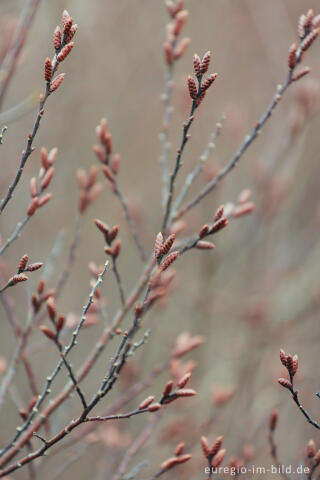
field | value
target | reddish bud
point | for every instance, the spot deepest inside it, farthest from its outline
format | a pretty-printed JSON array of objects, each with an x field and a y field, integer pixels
[
  {"x": 103, "y": 227},
  {"x": 20, "y": 277},
  {"x": 57, "y": 82},
  {"x": 285, "y": 383},
  {"x": 166, "y": 247},
  {"x": 108, "y": 173},
  {"x": 179, "y": 449},
  {"x": 205, "y": 62},
  {"x": 292, "y": 58},
  {"x": 60, "y": 323},
  {"x": 186, "y": 392},
  {"x": 57, "y": 38},
  {"x": 47, "y": 70},
  {"x": 205, "y": 446},
  {"x": 65, "y": 51},
  {"x": 158, "y": 245},
  {"x": 47, "y": 332},
  {"x": 154, "y": 407},
  {"x": 33, "y": 205},
  {"x": 115, "y": 163},
  {"x": 33, "y": 187},
  {"x": 203, "y": 231},
  {"x": 51, "y": 309},
  {"x": 45, "y": 199},
  {"x": 196, "y": 65},
  {"x": 218, "y": 459},
  {"x": 47, "y": 178},
  {"x": 201, "y": 245},
  {"x": 311, "y": 449},
  {"x": 146, "y": 402},
  {"x": 304, "y": 71},
  {"x": 23, "y": 262},
  {"x": 167, "y": 389},
  {"x": 172, "y": 257},
  {"x": 34, "y": 266},
  {"x": 216, "y": 446},
  {"x": 209, "y": 81},
  {"x": 192, "y": 86},
  {"x": 117, "y": 249},
  {"x": 184, "y": 380}
]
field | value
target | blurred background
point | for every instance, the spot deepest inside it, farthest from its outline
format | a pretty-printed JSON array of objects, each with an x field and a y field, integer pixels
[{"x": 257, "y": 292}]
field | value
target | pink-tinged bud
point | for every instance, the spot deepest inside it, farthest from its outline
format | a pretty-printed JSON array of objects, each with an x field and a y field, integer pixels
[
  {"x": 171, "y": 462},
  {"x": 196, "y": 65},
  {"x": 154, "y": 407},
  {"x": 33, "y": 206},
  {"x": 316, "y": 21},
  {"x": 295, "y": 364},
  {"x": 192, "y": 88},
  {"x": 34, "y": 266},
  {"x": 44, "y": 158},
  {"x": 205, "y": 62},
  {"x": 47, "y": 178},
  {"x": 218, "y": 213},
  {"x": 117, "y": 249},
  {"x": 115, "y": 163},
  {"x": 186, "y": 392},
  {"x": 219, "y": 225},
  {"x": 95, "y": 192},
  {"x": 60, "y": 323},
  {"x": 218, "y": 459},
  {"x": 45, "y": 199},
  {"x": 166, "y": 247},
  {"x": 108, "y": 173},
  {"x": 51, "y": 308},
  {"x": 202, "y": 245},
  {"x": 168, "y": 53},
  {"x": 216, "y": 446},
  {"x": 179, "y": 449},
  {"x": 20, "y": 277},
  {"x": 99, "y": 153},
  {"x": 47, "y": 332},
  {"x": 67, "y": 27},
  {"x": 304, "y": 71},
  {"x": 289, "y": 362},
  {"x": 146, "y": 402},
  {"x": 57, "y": 38},
  {"x": 283, "y": 357},
  {"x": 55, "y": 84},
  {"x": 65, "y": 17},
  {"x": 244, "y": 209},
  {"x": 167, "y": 389},
  {"x": 158, "y": 245},
  {"x": 92, "y": 178},
  {"x": 69, "y": 36},
  {"x": 203, "y": 231},
  {"x": 48, "y": 70},
  {"x": 107, "y": 140},
  {"x": 181, "y": 48},
  {"x": 292, "y": 58},
  {"x": 209, "y": 81},
  {"x": 103, "y": 227},
  {"x": 41, "y": 287},
  {"x": 23, "y": 414},
  {"x": 205, "y": 446},
  {"x": 180, "y": 20},
  {"x": 311, "y": 449},
  {"x": 285, "y": 383},
  {"x": 52, "y": 156},
  {"x": 273, "y": 420},
  {"x": 308, "y": 41},
  {"x": 172, "y": 257},
  {"x": 23, "y": 262},
  {"x": 184, "y": 380},
  {"x": 33, "y": 187},
  {"x": 82, "y": 178},
  {"x": 65, "y": 51},
  {"x": 113, "y": 233}
]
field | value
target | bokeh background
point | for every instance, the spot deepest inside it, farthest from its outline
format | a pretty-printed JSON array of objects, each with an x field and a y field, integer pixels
[{"x": 256, "y": 292}]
